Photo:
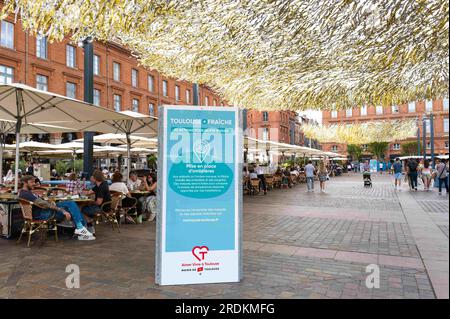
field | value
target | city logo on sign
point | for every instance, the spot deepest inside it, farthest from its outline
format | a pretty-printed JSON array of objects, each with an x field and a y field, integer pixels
[{"x": 199, "y": 252}]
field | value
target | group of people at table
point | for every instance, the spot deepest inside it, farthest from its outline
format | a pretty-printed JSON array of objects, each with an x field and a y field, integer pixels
[{"x": 142, "y": 188}]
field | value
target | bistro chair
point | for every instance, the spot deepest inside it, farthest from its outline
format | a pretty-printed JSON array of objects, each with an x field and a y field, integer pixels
[
  {"x": 30, "y": 225},
  {"x": 254, "y": 186},
  {"x": 108, "y": 212},
  {"x": 269, "y": 181}
]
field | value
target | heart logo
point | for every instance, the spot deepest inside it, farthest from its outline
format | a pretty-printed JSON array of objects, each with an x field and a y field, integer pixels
[{"x": 199, "y": 252}]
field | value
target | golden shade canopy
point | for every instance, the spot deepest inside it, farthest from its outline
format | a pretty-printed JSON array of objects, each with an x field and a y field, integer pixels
[{"x": 270, "y": 54}]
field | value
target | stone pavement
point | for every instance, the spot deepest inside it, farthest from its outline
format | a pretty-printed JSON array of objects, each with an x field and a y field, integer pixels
[{"x": 296, "y": 245}]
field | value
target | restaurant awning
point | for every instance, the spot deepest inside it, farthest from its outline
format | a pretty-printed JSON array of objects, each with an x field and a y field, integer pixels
[{"x": 24, "y": 104}]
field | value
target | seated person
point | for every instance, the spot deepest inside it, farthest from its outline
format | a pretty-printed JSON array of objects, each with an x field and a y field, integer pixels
[
  {"x": 253, "y": 174},
  {"x": 118, "y": 185},
  {"x": 149, "y": 184},
  {"x": 75, "y": 186},
  {"x": 134, "y": 183},
  {"x": 63, "y": 209},
  {"x": 102, "y": 195}
]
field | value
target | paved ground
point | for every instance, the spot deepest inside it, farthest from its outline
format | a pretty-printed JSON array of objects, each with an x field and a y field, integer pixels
[{"x": 296, "y": 245}]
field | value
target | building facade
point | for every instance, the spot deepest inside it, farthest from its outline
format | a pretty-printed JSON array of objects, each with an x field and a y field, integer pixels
[
  {"x": 412, "y": 110},
  {"x": 277, "y": 126},
  {"x": 119, "y": 82}
]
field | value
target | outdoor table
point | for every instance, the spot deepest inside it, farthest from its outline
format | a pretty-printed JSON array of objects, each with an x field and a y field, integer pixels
[{"x": 140, "y": 193}]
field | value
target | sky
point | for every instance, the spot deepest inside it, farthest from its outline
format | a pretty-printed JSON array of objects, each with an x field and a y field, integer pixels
[{"x": 313, "y": 114}]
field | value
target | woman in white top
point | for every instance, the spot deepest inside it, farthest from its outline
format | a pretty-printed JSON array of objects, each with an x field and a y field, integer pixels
[
  {"x": 425, "y": 171},
  {"x": 118, "y": 185}
]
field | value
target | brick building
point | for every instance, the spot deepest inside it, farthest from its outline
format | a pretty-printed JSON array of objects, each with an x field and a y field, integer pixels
[
  {"x": 277, "y": 126},
  {"x": 119, "y": 82},
  {"x": 412, "y": 110}
]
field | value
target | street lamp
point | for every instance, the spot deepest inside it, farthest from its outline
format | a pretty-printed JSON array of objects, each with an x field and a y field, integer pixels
[
  {"x": 424, "y": 132},
  {"x": 418, "y": 136}
]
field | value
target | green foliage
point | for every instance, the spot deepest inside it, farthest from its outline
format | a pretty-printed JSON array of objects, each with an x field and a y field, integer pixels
[
  {"x": 22, "y": 165},
  {"x": 355, "y": 151},
  {"x": 61, "y": 167},
  {"x": 152, "y": 161},
  {"x": 78, "y": 165},
  {"x": 378, "y": 149},
  {"x": 410, "y": 148}
]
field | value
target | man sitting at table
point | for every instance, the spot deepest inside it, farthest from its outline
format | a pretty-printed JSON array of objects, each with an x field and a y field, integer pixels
[
  {"x": 134, "y": 183},
  {"x": 63, "y": 209},
  {"x": 102, "y": 195}
]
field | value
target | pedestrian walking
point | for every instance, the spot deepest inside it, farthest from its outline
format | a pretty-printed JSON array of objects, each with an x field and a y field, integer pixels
[
  {"x": 323, "y": 175},
  {"x": 425, "y": 173},
  {"x": 412, "y": 173},
  {"x": 310, "y": 171},
  {"x": 260, "y": 172},
  {"x": 397, "y": 167},
  {"x": 442, "y": 175}
]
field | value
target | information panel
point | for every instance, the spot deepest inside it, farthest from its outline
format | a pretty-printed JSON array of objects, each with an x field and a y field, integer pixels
[{"x": 199, "y": 195}]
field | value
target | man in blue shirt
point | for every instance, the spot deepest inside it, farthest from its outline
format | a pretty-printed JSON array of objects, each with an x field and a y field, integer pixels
[
  {"x": 397, "y": 167},
  {"x": 63, "y": 209}
]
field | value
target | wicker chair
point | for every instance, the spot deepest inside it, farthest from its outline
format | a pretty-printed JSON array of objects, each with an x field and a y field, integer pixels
[
  {"x": 269, "y": 181},
  {"x": 254, "y": 186},
  {"x": 108, "y": 212},
  {"x": 30, "y": 225},
  {"x": 125, "y": 211}
]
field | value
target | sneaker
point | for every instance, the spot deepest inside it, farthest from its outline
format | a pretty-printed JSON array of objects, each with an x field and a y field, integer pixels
[
  {"x": 91, "y": 229},
  {"x": 85, "y": 237},
  {"x": 83, "y": 232},
  {"x": 152, "y": 217}
]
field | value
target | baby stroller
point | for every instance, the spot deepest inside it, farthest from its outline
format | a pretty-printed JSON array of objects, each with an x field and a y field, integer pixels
[{"x": 367, "y": 179}]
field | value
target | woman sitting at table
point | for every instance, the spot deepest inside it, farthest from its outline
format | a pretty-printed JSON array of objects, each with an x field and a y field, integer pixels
[
  {"x": 118, "y": 185},
  {"x": 43, "y": 210},
  {"x": 102, "y": 195},
  {"x": 149, "y": 202}
]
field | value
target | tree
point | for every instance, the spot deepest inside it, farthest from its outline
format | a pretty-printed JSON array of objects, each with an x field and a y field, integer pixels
[
  {"x": 355, "y": 151},
  {"x": 410, "y": 148},
  {"x": 378, "y": 149}
]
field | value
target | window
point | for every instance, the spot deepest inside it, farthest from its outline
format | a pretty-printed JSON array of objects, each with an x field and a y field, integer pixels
[
  {"x": 116, "y": 71},
  {"x": 165, "y": 85},
  {"x": 151, "y": 109},
  {"x": 395, "y": 109},
  {"x": 96, "y": 64},
  {"x": 428, "y": 145},
  {"x": 151, "y": 83},
  {"x": 365, "y": 146},
  {"x": 446, "y": 125},
  {"x": 7, "y": 34},
  {"x": 206, "y": 100},
  {"x": 428, "y": 105},
  {"x": 265, "y": 116},
  {"x": 446, "y": 144},
  {"x": 177, "y": 92},
  {"x": 134, "y": 77},
  {"x": 396, "y": 146},
  {"x": 364, "y": 110},
  {"x": 6, "y": 74},
  {"x": 349, "y": 112},
  {"x": 70, "y": 56},
  {"x": 445, "y": 104},
  {"x": 71, "y": 90},
  {"x": 42, "y": 82},
  {"x": 428, "y": 127},
  {"x": 97, "y": 96},
  {"x": 117, "y": 102},
  {"x": 265, "y": 134},
  {"x": 379, "y": 109},
  {"x": 334, "y": 114},
  {"x": 135, "y": 105},
  {"x": 412, "y": 107},
  {"x": 334, "y": 148},
  {"x": 41, "y": 47},
  {"x": 188, "y": 96}
]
